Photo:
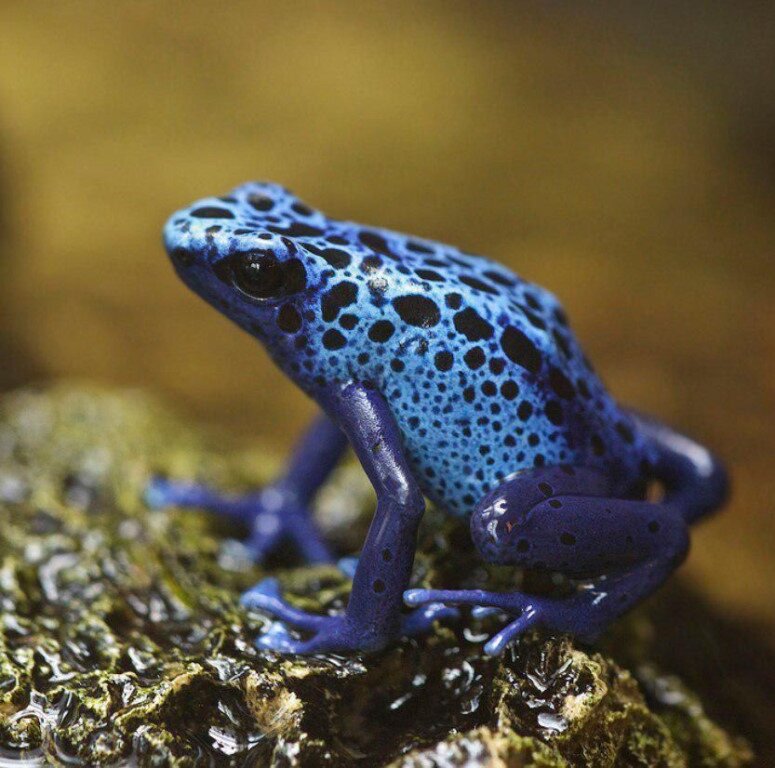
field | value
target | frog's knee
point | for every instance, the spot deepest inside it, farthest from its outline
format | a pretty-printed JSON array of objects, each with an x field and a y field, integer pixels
[{"x": 523, "y": 511}]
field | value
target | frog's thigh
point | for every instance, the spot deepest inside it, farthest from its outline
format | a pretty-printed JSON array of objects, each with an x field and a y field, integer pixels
[{"x": 564, "y": 519}]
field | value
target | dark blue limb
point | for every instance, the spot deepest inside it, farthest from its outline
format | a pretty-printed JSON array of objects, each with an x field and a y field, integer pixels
[
  {"x": 695, "y": 480},
  {"x": 280, "y": 512},
  {"x": 374, "y": 615},
  {"x": 560, "y": 519}
]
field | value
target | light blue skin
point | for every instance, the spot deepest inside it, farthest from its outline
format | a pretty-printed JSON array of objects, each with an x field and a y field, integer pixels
[{"x": 453, "y": 379}]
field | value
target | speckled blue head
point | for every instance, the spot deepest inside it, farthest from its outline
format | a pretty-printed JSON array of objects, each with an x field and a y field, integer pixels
[{"x": 241, "y": 254}]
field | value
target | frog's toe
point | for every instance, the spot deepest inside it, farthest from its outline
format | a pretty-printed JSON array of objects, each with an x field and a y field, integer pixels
[
  {"x": 267, "y": 597},
  {"x": 480, "y": 612},
  {"x": 420, "y": 621},
  {"x": 161, "y": 492},
  {"x": 526, "y": 608},
  {"x": 328, "y": 634},
  {"x": 473, "y": 597},
  {"x": 277, "y": 638},
  {"x": 500, "y": 640}
]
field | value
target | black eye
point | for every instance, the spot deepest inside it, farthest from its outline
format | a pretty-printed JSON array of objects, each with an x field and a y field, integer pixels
[{"x": 259, "y": 275}]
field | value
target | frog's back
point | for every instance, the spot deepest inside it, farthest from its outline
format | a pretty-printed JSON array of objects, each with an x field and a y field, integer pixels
[
  {"x": 480, "y": 367},
  {"x": 484, "y": 375}
]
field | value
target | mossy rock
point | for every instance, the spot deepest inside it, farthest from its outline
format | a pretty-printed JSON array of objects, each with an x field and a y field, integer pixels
[{"x": 123, "y": 641}]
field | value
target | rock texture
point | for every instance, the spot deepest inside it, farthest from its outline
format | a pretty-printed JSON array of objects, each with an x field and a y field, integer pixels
[{"x": 122, "y": 640}]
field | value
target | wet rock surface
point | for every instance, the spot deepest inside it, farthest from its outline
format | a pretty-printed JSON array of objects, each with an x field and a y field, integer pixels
[{"x": 122, "y": 640}]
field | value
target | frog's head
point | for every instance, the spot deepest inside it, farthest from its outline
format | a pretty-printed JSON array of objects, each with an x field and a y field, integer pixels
[{"x": 251, "y": 255}]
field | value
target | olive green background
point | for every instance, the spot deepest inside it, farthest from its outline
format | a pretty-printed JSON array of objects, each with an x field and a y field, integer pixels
[{"x": 621, "y": 154}]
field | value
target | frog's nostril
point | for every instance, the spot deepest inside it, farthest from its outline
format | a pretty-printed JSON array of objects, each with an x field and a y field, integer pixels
[{"x": 182, "y": 257}]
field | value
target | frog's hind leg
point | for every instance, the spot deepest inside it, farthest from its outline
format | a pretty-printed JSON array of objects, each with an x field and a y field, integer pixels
[
  {"x": 695, "y": 481},
  {"x": 279, "y": 512},
  {"x": 564, "y": 519}
]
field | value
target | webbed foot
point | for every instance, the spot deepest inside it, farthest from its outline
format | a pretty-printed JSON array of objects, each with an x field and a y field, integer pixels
[
  {"x": 573, "y": 615},
  {"x": 273, "y": 515},
  {"x": 330, "y": 634}
]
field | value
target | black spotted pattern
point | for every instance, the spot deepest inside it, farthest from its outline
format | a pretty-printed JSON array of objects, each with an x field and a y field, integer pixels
[{"x": 479, "y": 367}]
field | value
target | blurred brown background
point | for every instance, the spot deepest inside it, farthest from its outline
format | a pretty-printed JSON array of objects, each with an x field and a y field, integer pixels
[{"x": 622, "y": 155}]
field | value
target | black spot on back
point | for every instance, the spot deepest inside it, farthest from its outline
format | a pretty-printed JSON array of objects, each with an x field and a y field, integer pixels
[
  {"x": 489, "y": 388},
  {"x": 499, "y": 278},
  {"x": 333, "y": 339},
  {"x": 376, "y": 242},
  {"x": 301, "y": 209},
  {"x": 443, "y": 361},
  {"x": 371, "y": 264},
  {"x": 381, "y": 331},
  {"x": 260, "y": 203},
  {"x": 560, "y": 383},
  {"x": 348, "y": 321},
  {"x": 472, "y": 325},
  {"x": 212, "y": 212},
  {"x": 341, "y": 295},
  {"x": 509, "y": 389},
  {"x": 336, "y": 257},
  {"x": 534, "y": 319},
  {"x": 532, "y": 301},
  {"x": 413, "y": 245},
  {"x": 429, "y": 274},
  {"x": 417, "y": 310},
  {"x": 474, "y": 358},
  {"x": 478, "y": 285},
  {"x": 297, "y": 229},
  {"x": 520, "y": 350}
]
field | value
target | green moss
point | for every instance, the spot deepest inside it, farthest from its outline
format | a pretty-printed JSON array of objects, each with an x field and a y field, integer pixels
[{"x": 122, "y": 636}]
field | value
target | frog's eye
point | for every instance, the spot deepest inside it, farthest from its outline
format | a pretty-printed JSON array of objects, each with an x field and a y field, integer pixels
[
  {"x": 258, "y": 275},
  {"x": 261, "y": 275}
]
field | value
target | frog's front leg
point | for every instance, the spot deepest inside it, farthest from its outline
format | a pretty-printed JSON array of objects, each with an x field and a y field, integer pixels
[
  {"x": 374, "y": 614},
  {"x": 279, "y": 512},
  {"x": 566, "y": 520}
]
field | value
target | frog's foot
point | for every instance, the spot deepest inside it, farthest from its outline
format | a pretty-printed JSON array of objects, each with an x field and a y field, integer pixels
[
  {"x": 573, "y": 615},
  {"x": 273, "y": 515},
  {"x": 330, "y": 634}
]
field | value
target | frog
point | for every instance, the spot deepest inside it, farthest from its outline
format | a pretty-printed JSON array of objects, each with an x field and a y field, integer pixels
[{"x": 453, "y": 380}]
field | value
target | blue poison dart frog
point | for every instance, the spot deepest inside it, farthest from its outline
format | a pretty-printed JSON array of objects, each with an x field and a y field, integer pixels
[{"x": 452, "y": 379}]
